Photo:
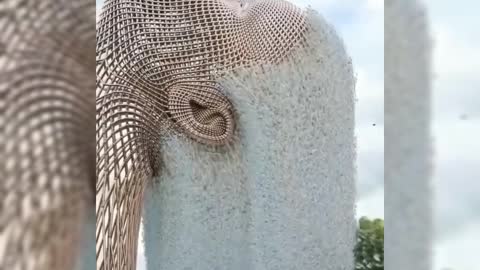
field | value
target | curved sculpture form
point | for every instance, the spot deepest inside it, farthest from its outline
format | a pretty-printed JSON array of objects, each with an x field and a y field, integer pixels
[
  {"x": 47, "y": 121},
  {"x": 157, "y": 68},
  {"x": 160, "y": 66}
]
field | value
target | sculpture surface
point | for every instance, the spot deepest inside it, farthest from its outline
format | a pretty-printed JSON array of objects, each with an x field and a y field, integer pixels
[
  {"x": 47, "y": 120},
  {"x": 160, "y": 71},
  {"x": 281, "y": 196},
  {"x": 157, "y": 66}
]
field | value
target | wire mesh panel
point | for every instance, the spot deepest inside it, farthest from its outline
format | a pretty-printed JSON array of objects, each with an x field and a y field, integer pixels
[
  {"x": 158, "y": 65},
  {"x": 47, "y": 123}
]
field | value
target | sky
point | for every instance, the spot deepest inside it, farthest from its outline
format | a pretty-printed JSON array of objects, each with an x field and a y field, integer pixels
[
  {"x": 360, "y": 24},
  {"x": 456, "y": 129},
  {"x": 456, "y": 117}
]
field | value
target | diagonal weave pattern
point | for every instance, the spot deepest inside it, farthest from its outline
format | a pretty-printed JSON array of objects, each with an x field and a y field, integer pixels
[
  {"x": 47, "y": 123},
  {"x": 158, "y": 63}
]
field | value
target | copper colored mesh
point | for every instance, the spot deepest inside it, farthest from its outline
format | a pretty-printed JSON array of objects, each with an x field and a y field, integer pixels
[
  {"x": 47, "y": 123},
  {"x": 157, "y": 68}
]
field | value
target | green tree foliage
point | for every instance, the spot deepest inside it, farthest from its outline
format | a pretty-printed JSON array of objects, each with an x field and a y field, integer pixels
[{"x": 369, "y": 249}]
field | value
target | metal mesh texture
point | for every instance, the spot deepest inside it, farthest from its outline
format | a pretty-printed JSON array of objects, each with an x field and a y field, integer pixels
[
  {"x": 47, "y": 129},
  {"x": 158, "y": 63}
]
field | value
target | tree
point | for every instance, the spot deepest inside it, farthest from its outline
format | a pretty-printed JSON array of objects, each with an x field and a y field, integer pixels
[{"x": 369, "y": 248}]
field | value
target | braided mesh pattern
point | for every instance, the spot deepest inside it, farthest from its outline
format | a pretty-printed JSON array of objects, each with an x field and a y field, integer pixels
[
  {"x": 158, "y": 63},
  {"x": 47, "y": 122},
  {"x": 203, "y": 111}
]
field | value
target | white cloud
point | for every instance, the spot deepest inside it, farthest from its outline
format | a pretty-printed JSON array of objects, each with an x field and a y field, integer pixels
[
  {"x": 455, "y": 56},
  {"x": 376, "y": 5},
  {"x": 457, "y": 174},
  {"x": 456, "y": 96},
  {"x": 459, "y": 252},
  {"x": 372, "y": 205}
]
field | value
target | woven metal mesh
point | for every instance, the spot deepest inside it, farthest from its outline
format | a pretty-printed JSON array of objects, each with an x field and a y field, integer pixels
[
  {"x": 47, "y": 121},
  {"x": 158, "y": 63}
]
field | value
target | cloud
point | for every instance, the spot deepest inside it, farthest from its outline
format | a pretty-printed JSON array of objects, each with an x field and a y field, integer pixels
[
  {"x": 456, "y": 114},
  {"x": 370, "y": 160},
  {"x": 456, "y": 175},
  {"x": 375, "y": 5},
  {"x": 456, "y": 129},
  {"x": 372, "y": 205},
  {"x": 457, "y": 252},
  {"x": 457, "y": 61}
]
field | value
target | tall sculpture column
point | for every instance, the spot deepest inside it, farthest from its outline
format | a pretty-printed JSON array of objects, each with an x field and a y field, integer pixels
[
  {"x": 408, "y": 195},
  {"x": 282, "y": 196}
]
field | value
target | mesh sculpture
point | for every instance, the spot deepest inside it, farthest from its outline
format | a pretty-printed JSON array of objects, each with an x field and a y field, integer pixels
[
  {"x": 47, "y": 121},
  {"x": 158, "y": 64},
  {"x": 282, "y": 195}
]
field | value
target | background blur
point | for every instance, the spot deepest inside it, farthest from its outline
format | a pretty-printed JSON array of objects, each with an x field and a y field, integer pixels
[{"x": 456, "y": 129}]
